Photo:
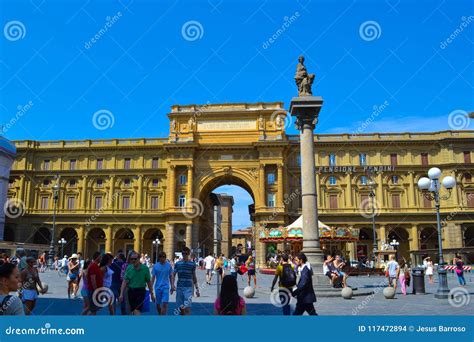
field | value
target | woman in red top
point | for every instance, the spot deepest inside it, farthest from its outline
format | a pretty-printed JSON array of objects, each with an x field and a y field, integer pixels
[{"x": 229, "y": 301}]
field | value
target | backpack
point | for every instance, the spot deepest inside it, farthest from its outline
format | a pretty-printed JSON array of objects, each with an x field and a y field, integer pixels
[
  {"x": 3, "y": 305},
  {"x": 288, "y": 276}
]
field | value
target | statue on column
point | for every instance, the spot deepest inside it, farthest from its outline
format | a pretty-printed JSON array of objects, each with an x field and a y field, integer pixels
[{"x": 304, "y": 81}]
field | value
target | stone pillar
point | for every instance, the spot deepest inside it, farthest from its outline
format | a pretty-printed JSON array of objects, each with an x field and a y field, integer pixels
[
  {"x": 348, "y": 192},
  {"x": 172, "y": 186},
  {"x": 280, "y": 186},
  {"x": 137, "y": 238},
  {"x": 261, "y": 185},
  {"x": 189, "y": 235},
  {"x": 260, "y": 248},
  {"x": 352, "y": 250},
  {"x": 110, "y": 205},
  {"x": 318, "y": 189},
  {"x": 140, "y": 193},
  {"x": 84, "y": 193},
  {"x": 80, "y": 240},
  {"x": 195, "y": 236},
  {"x": 411, "y": 190},
  {"x": 382, "y": 236},
  {"x": 169, "y": 241},
  {"x": 379, "y": 190},
  {"x": 189, "y": 195},
  {"x": 306, "y": 109},
  {"x": 414, "y": 244},
  {"x": 108, "y": 240}
]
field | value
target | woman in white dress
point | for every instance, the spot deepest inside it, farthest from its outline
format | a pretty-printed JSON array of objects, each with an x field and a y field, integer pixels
[{"x": 429, "y": 269}]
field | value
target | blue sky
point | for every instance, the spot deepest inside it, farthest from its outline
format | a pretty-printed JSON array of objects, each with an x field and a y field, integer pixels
[{"x": 364, "y": 54}]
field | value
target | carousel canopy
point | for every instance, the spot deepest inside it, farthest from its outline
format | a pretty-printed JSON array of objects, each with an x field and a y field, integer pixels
[{"x": 294, "y": 232}]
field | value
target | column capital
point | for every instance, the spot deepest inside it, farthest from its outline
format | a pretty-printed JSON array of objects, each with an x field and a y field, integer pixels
[
  {"x": 280, "y": 165},
  {"x": 190, "y": 167}
]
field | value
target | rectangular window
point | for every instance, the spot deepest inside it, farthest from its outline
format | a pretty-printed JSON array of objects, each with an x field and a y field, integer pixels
[
  {"x": 154, "y": 202},
  {"x": 154, "y": 163},
  {"x": 394, "y": 179},
  {"x": 46, "y": 164},
  {"x": 270, "y": 178},
  {"x": 396, "y": 201},
  {"x": 271, "y": 200},
  {"x": 71, "y": 202},
  {"x": 467, "y": 157},
  {"x": 126, "y": 163},
  {"x": 182, "y": 179},
  {"x": 72, "y": 164},
  {"x": 72, "y": 183},
  {"x": 332, "y": 201},
  {"x": 126, "y": 182},
  {"x": 426, "y": 202},
  {"x": 100, "y": 164},
  {"x": 332, "y": 159},
  {"x": 363, "y": 180},
  {"x": 98, "y": 202},
  {"x": 467, "y": 178},
  {"x": 362, "y": 159},
  {"x": 332, "y": 180},
  {"x": 393, "y": 159},
  {"x": 126, "y": 202},
  {"x": 364, "y": 201},
  {"x": 154, "y": 182},
  {"x": 470, "y": 199},
  {"x": 182, "y": 201},
  {"x": 45, "y": 202},
  {"x": 424, "y": 159},
  {"x": 99, "y": 183}
]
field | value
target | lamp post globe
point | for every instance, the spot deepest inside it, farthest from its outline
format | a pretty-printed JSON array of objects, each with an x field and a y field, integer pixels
[
  {"x": 449, "y": 182},
  {"x": 424, "y": 183},
  {"x": 434, "y": 173}
]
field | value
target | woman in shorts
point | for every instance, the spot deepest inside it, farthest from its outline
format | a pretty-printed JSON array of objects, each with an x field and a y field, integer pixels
[
  {"x": 30, "y": 281},
  {"x": 73, "y": 267},
  {"x": 84, "y": 289}
]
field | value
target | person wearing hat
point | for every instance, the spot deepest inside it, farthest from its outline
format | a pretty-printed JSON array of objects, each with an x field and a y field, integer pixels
[
  {"x": 30, "y": 282},
  {"x": 73, "y": 276}
]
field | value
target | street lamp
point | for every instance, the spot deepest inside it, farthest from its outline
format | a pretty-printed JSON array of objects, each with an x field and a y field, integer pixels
[
  {"x": 155, "y": 243},
  {"x": 430, "y": 188},
  {"x": 394, "y": 243},
  {"x": 62, "y": 242},
  {"x": 371, "y": 183},
  {"x": 55, "y": 202}
]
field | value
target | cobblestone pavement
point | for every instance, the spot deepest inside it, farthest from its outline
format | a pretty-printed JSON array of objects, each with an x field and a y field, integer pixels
[{"x": 55, "y": 302}]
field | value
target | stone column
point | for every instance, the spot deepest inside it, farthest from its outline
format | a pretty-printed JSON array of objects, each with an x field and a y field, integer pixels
[
  {"x": 382, "y": 236},
  {"x": 379, "y": 190},
  {"x": 189, "y": 195},
  {"x": 80, "y": 240},
  {"x": 348, "y": 192},
  {"x": 414, "y": 244},
  {"x": 137, "y": 238},
  {"x": 172, "y": 186},
  {"x": 189, "y": 235},
  {"x": 84, "y": 193},
  {"x": 280, "y": 186},
  {"x": 306, "y": 109},
  {"x": 411, "y": 190},
  {"x": 260, "y": 248},
  {"x": 195, "y": 236},
  {"x": 169, "y": 241},
  {"x": 108, "y": 240},
  {"x": 110, "y": 205},
  {"x": 318, "y": 189},
  {"x": 261, "y": 185},
  {"x": 140, "y": 194}
]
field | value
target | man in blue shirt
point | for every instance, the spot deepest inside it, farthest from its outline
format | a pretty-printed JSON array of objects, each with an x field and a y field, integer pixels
[
  {"x": 162, "y": 277},
  {"x": 186, "y": 271}
]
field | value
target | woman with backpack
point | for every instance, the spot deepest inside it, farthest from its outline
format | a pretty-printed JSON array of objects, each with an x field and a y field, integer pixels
[
  {"x": 285, "y": 273},
  {"x": 229, "y": 303}
]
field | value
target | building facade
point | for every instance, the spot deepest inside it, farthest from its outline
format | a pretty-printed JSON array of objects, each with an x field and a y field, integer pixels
[{"x": 125, "y": 193}]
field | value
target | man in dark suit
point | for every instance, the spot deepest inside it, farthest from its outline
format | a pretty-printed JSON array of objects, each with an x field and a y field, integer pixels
[{"x": 304, "y": 292}]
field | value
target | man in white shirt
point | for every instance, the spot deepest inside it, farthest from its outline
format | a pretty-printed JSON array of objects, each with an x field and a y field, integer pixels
[{"x": 209, "y": 265}]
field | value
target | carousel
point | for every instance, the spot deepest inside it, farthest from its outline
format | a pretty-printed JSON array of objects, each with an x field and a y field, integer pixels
[{"x": 290, "y": 238}]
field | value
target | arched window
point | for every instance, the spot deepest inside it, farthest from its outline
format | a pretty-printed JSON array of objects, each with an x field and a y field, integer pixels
[{"x": 332, "y": 180}]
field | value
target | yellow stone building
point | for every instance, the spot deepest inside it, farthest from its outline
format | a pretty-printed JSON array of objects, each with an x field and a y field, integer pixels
[{"x": 124, "y": 193}]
